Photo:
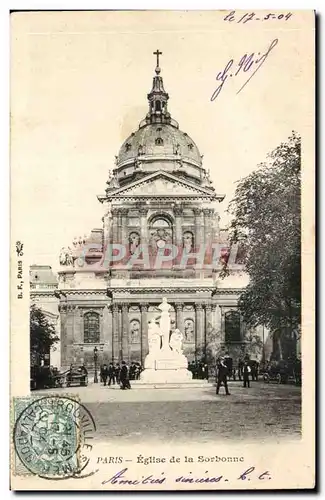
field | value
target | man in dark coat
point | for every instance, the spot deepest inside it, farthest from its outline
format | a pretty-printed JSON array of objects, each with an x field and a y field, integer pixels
[
  {"x": 111, "y": 374},
  {"x": 240, "y": 368},
  {"x": 254, "y": 369},
  {"x": 246, "y": 372},
  {"x": 117, "y": 371},
  {"x": 104, "y": 373},
  {"x": 124, "y": 377},
  {"x": 222, "y": 372}
]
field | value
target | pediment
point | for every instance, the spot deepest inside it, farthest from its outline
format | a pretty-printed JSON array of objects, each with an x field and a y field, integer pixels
[{"x": 163, "y": 185}]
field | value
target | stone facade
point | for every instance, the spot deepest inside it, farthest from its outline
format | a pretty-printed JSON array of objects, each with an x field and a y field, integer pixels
[{"x": 159, "y": 200}]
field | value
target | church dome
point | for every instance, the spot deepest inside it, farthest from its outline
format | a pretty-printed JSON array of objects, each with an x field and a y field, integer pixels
[
  {"x": 158, "y": 144},
  {"x": 159, "y": 139}
]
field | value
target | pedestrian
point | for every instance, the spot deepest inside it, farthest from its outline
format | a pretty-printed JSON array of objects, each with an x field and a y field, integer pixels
[
  {"x": 228, "y": 363},
  {"x": 104, "y": 373},
  {"x": 254, "y": 370},
  {"x": 111, "y": 374},
  {"x": 246, "y": 372},
  {"x": 132, "y": 371},
  {"x": 205, "y": 371},
  {"x": 124, "y": 377},
  {"x": 137, "y": 371},
  {"x": 240, "y": 368},
  {"x": 222, "y": 372},
  {"x": 117, "y": 371}
]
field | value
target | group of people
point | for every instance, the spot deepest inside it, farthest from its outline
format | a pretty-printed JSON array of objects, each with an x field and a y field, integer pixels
[
  {"x": 112, "y": 374},
  {"x": 199, "y": 370},
  {"x": 224, "y": 369}
]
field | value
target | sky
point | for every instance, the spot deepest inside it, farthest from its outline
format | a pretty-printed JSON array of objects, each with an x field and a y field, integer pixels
[{"x": 79, "y": 83}]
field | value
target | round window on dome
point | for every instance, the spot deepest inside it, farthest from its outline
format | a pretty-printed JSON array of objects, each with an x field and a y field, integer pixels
[{"x": 159, "y": 141}]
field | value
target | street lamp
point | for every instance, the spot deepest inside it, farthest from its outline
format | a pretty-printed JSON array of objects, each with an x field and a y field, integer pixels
[
  {"x": 95, "y": 362},
  {"x": 263, "y": 352}
]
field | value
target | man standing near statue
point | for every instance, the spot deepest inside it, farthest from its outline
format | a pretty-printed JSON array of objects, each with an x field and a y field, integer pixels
[
  {"x": 124, "y": 377},
  {"x": 222, "y": 372}
]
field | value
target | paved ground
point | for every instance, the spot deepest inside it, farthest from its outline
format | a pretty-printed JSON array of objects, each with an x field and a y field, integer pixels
[{"x": 263, "y": 412}]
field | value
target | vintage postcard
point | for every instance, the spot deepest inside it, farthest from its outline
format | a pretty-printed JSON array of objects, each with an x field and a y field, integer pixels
[{"x": 162, "y": 250}]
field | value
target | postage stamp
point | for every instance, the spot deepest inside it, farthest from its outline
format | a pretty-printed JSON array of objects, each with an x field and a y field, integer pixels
[{"x": 49, "y": 435}]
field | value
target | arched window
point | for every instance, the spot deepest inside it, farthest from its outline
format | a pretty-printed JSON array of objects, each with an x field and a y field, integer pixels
[
  {"x": 161, "y": 232},
  {"x": 232, "y": 326},
  {"x": 159, "y": 141},
  {"x": 160, "y": 223},
  {"x": 158, "y": 106},
  {"x": 91, "y": 328}
]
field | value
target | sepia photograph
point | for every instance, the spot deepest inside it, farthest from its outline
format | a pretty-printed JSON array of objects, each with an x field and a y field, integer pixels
[{"x": 162, "y": 175}]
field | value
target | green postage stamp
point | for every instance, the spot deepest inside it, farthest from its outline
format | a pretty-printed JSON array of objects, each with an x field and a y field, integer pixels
[{"x": 48, "y": 435}]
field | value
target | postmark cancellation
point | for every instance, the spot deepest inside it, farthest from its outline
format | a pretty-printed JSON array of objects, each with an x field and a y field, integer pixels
[{"x": 51, "y": 436}]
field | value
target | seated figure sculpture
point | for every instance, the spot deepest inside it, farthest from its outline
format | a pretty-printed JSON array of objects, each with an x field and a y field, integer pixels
[{"x": 165, "y": 362}]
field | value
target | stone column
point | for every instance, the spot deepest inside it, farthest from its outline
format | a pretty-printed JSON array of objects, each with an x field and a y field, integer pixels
[
  {"x": 120, "y": 334},
  {"x": 208, "y": 330},
  {"x": 124, "y": 236},
  {"x": 214, "y": 316},
  {"x": 107, "y": 223},
  {"x": 63, "y": 320},
  {"x": 208, "y": 229},
  {"x": 144, "y": 332},
  {"x": 199, "y": 227},
  {"x": 179, "y": 317},
  {"x": 115, "y": 334},
  {"x": 119, "y": 226},
  {"x": 222, "y": 324},
  {"x": 199, "y": 320},
  {"x": 107, "y": 330},
  {"x": 178, "y": 238},
  {"x": 125, "y": 332},
  {"x": 143, "y": 211},
  {"x": 216, "y": 228},
  {"x": 115, "y": 235},
  {"x": 71, "y": 349}
]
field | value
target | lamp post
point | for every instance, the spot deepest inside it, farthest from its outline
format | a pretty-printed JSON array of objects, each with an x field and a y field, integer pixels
[
  {"x": 95, "y": 362},
  {"x": 263, "y": 352}
]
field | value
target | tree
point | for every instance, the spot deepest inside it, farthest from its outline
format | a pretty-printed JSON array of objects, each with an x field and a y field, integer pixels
[
  {"x": 42, "y": 333},
  {"x": 266, "y": 221}
]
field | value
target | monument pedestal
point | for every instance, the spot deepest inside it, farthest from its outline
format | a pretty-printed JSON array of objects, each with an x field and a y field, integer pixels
[{"x": 166, "y": 367}]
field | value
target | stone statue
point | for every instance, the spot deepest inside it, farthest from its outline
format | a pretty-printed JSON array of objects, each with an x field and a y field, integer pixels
[
  {"x": 135, "y": 331},
  {"x": 188, "y": 241},
  {"x": 176, "y": 340},
  {"x": 66, "y": 258},
  {"x": 189, "y": 330},
  {"x": 177, "y": 149},
  {"x": 165, "y": 322},
  {"x": 112, "y": 181},
  {"x": 62, "y": 257},
  {"x": 69, "y": 257},
  {"x": 134, "y": 241},
  {"x": 165, "y": 361},
  {"x": 154, "y": 334}
]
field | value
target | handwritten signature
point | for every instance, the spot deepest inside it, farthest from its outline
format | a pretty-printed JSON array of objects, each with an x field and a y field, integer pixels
[
  {"x": 252, "y": 63},
  {"x": 121, "y": 478}
]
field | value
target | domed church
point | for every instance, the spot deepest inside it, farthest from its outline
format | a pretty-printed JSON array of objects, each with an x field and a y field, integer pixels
[{"x": 157, "y": 237}]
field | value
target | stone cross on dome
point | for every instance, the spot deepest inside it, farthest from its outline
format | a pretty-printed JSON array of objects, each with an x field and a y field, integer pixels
[{"x": 157, "y": 53}]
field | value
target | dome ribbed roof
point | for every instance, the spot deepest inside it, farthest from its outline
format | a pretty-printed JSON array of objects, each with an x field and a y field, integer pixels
[{"x": 159, "y": 139}]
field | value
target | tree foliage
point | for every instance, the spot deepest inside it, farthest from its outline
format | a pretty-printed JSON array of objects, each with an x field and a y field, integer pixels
[
  {"x": 42, "y": 332},
  {"x": 266, "y": 215}
]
